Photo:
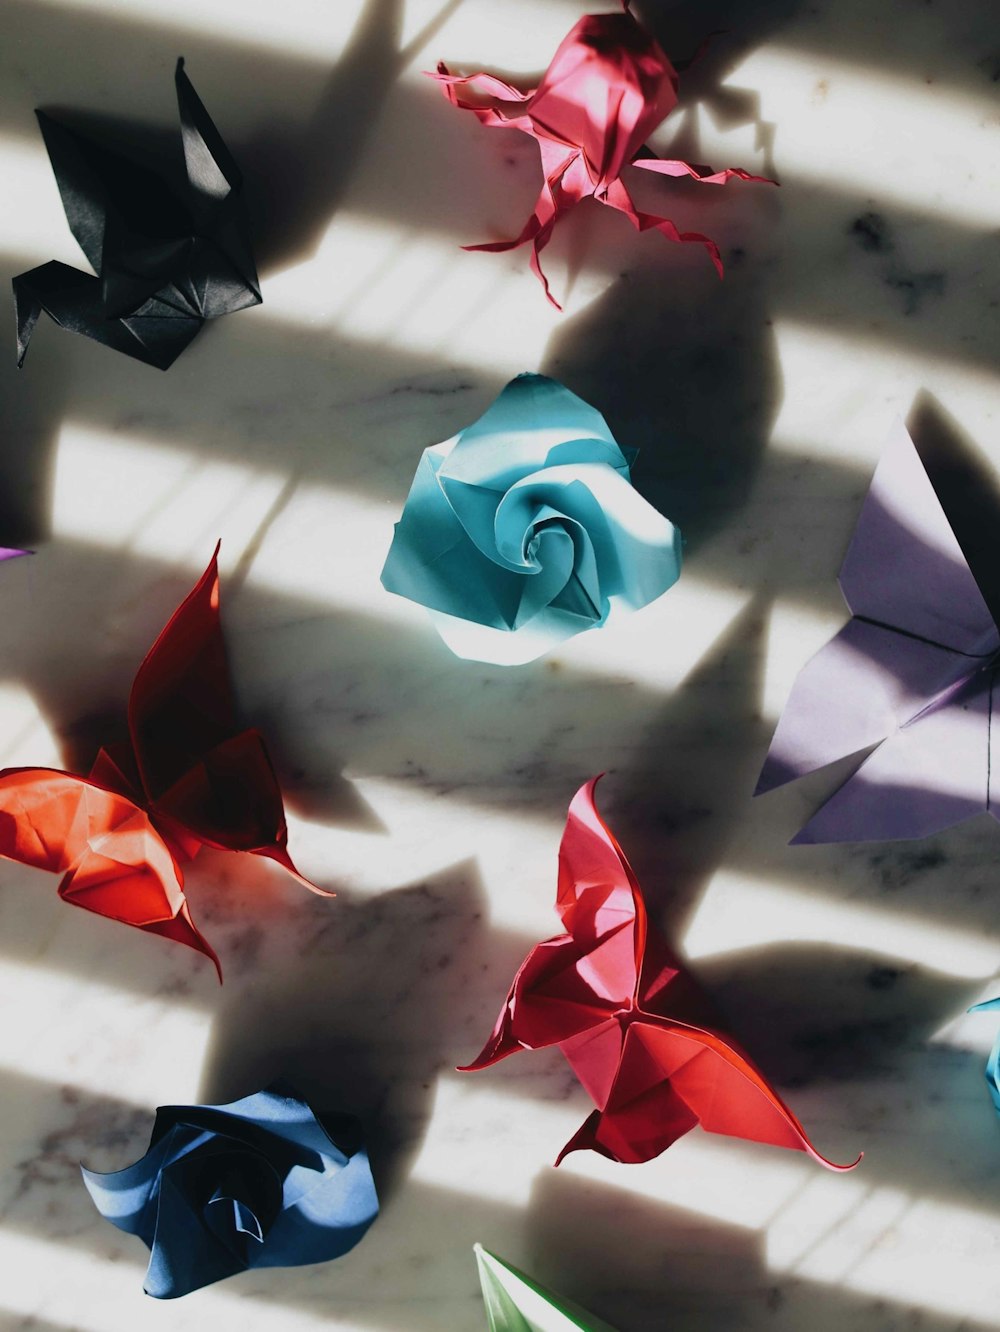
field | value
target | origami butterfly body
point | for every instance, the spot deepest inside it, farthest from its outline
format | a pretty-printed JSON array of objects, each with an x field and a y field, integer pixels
[
  {"x": 166, "y": 261},
  {"x": 608, "y": 87},
  {"x": 187, "y": 777},
  {"x": 914, "y": 671},
  {"x": 516, "y": 1303},
  {"x": 610, "y": 996}
]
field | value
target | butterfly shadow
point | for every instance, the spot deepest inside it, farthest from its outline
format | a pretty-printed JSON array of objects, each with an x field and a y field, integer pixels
[
  {"x": 360, "y": 1003},
  {"x": 302, "y": 174},
  {"x": 683, "y": 366},
  {"x": 630, "y": 1257},
  {"x": 968, "y": 489}
]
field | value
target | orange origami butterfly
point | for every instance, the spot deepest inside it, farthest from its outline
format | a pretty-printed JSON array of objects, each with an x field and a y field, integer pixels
[{"x": 187, "y": 777}]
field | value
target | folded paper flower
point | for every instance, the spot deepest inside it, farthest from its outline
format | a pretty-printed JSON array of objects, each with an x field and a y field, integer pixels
[
  {"x": 913, "y": 672},
  {"x": 261, "y": 1182},
  {"x": 993, "y": 1063},
  {"x": 608, "y": 87},
  {"x": 515, "y": 1303},
  {"x": 187, "y": 777},
  {"x": 166, "y": 258},
  {"x": 618, "y": 1005},
  {"x": 525, "y": 529}
]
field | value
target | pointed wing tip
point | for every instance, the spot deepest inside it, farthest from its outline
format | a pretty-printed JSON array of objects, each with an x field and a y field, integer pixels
[
  {"x": 201, "y": 945},
  {"x": 475, "y": 1067},
  {"x": 314, "y": 887},
  {"x": 280, "y": 856},
  {"x": 807, "y": 836},
  {"x": 832, "y": 1165},
  {"x": 571, "y": 1146},
  {"x": 774, "y": 772}
]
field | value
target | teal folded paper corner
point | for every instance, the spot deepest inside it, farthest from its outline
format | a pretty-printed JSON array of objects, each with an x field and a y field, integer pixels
[
  {"x": 515, "y": 1303},
  {"x": 524, "y": 529},
  {"x": 993, "y": 1063}
]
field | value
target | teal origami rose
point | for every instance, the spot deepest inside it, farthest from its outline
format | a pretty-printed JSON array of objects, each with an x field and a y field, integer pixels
[{"x": 525, "y": 529}]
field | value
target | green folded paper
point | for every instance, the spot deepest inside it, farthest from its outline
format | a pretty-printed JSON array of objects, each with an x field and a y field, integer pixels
[{"x": 515, "y": 1303}]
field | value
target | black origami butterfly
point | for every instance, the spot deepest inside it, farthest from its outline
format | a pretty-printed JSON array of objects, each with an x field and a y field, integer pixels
[{"x": 166, "y": 259}]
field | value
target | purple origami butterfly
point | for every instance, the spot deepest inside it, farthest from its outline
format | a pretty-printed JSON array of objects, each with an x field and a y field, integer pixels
[{"x": 913, "y": 672}]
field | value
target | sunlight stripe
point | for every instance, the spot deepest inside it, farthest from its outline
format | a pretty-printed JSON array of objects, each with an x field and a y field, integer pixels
[{"x": 740, "y": 911}]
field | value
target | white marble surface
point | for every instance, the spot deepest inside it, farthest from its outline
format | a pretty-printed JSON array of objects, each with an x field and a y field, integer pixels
[{"x": 430, "y": 792}]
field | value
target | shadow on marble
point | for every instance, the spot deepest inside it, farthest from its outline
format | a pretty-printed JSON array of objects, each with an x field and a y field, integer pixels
[
  {"x": 969, "y": 490},
  {"x": 693, "y": 383},
  {"x": 308, "y": 178},
  {"x": 737, "y": 383},
  {"x": 363, "y": 1021},
  {"x": 682, "y": 766},
  {"x": 624, "y": 1255},
  {"x": 815, "y": 1014},
  {"x": 651, "y": 1266}
]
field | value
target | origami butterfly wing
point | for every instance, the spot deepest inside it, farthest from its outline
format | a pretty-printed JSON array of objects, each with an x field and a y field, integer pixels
[
  {"x": 114, "y": 861},
  {"x": 573, "y": 984},
  {"x": 920, "y": 630},
  {"x": 197, "y": 768},
  {"x": 602, "y": 906},
  {"x": 673, "y": 1076},
  {"x": 929, "y": 775}
]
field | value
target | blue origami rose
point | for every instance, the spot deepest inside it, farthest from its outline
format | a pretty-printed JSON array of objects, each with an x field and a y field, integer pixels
[
  {"x": 223, "y": 1188},
  {"x": 525, "y": 529}
]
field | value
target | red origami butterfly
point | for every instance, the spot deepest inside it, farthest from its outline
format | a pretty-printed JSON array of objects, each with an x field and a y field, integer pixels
[
  {"x": 613, "y": 999},
  {"x": 187, "y": 777},
  {"x": 608, "y": 86}
]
